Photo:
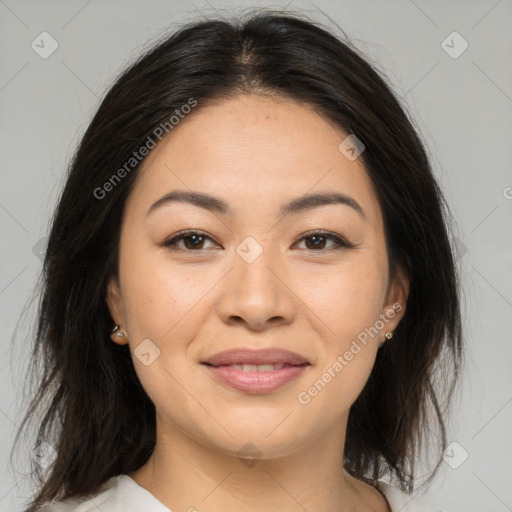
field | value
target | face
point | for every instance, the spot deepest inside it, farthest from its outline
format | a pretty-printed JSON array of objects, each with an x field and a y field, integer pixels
[{"x": 311, "y": 279}]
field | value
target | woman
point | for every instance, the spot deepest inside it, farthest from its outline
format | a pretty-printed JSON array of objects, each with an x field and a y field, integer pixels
[{"x": 248, "y": 286}]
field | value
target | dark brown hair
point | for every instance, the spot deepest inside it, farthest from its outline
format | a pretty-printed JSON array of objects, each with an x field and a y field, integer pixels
[{"x": 89, "y": 403}]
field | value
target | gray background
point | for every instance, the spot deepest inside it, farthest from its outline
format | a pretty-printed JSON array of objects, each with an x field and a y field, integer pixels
[{"x": 462, "y": 106}]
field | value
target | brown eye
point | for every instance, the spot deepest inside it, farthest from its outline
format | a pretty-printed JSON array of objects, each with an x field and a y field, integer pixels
[
  {"x": 317, "y": 241},
  {"x": 192, "y": 240}
]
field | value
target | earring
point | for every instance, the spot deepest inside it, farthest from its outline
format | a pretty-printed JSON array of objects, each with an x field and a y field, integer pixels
[
  {"x": 116, "y": 330},
  {"x": 389, "y": 335}
]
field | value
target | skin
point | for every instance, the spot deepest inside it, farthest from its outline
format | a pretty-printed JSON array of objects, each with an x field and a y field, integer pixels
[{"x": 255, "y": 153}]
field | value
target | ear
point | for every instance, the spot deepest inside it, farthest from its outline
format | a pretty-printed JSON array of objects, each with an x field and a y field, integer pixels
[
  {"x": 396, "y": 299},
  {"x": 115, "y": 307}
]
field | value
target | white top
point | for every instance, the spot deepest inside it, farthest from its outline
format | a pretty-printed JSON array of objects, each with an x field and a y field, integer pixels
[{"x": 122, "y": 494}]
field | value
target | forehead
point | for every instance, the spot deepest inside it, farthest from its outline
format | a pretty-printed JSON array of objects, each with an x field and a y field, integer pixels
[{"x": 254, "y": 150}]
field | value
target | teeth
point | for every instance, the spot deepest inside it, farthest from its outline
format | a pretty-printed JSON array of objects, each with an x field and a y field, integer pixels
[
  {"x": 257, "y": 367},
  {"x": 265, "y": 368}
]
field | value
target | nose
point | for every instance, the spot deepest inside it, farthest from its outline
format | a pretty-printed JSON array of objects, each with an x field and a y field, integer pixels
[{"x": 258, "y": 293}]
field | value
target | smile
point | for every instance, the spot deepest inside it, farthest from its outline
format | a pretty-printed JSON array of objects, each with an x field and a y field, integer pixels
[{"x": 256, "y": 379}]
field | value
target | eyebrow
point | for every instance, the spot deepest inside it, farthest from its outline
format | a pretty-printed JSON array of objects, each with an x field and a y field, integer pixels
[{"x": 214, "y": 204}]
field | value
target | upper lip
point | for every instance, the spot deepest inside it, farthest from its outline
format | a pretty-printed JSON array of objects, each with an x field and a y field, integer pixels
[{"x": 258, "y": 356}]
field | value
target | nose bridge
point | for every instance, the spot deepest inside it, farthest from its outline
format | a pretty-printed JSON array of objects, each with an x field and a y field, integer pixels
[
  {"x": 255, "y": 292},
  {"x": 252, "y": 272}
]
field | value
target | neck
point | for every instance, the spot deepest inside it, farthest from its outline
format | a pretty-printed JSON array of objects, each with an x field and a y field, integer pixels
[{"x": 184, "y": 474}]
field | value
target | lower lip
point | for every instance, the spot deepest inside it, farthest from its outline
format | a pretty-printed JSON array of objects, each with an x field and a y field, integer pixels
[{"x": 256, "y": 382}]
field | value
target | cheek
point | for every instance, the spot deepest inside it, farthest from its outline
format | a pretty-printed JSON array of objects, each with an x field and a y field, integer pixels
[
  {"x": 159, "y": 295},
  {"x": 347, "y": 298},
  {"x": 346, "y": 304}
]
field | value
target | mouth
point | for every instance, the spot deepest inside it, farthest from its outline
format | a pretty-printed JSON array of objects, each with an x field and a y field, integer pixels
[
  {"x": 258, "y": 367},
  {"x": 258, "y": 357},
  {"x": 256, "y": 371}
]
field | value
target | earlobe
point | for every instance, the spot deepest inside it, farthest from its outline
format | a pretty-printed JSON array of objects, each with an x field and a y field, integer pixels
[
  {"x": 118, "y": 336},
  {"x": 115, "y": 307}
]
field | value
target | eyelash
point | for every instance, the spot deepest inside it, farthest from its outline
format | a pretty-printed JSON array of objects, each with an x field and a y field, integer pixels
[{"x": 341, "y": 243}]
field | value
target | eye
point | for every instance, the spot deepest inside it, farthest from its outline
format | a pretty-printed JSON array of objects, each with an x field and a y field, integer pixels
[
  {"x": 193, "y": 240},
  {"x": 319, "y": 239},
  {"x": 315, "y": 241}
]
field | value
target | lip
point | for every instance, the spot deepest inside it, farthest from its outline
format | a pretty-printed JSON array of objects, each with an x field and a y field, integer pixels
[
  {"x": 256, "y": 356},
  {"x": 256, "y": 382}
]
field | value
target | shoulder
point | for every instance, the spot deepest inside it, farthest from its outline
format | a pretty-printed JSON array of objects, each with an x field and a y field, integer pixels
[
  {"x": 118, "y": 494},
  {"x": 95, "y": 502},
  {"x": 402, "y": 502}
]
